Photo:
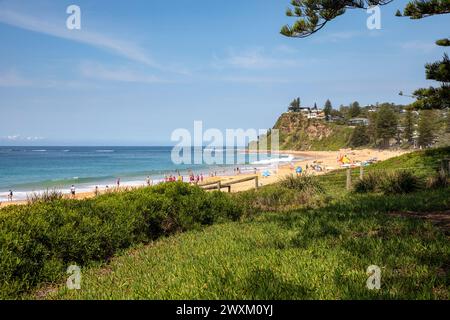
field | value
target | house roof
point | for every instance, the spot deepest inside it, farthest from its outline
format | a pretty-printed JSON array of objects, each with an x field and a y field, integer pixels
[{"x": 359, "y": 119}]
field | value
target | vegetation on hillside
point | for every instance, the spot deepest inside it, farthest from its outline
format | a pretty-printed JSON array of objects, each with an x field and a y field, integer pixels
[
  {"x": 388, "y": 125},
  {"x": 296, "y": 132}
]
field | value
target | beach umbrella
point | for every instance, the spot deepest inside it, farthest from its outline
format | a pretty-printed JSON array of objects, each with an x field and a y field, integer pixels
[{"x": 266, "y": 173}]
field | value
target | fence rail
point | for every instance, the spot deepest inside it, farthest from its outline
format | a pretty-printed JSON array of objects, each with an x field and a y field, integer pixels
[{"x": 219, "y": 185}]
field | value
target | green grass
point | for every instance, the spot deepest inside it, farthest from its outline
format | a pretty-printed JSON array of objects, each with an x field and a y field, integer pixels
[
  {"x": 338, "y": 140},
  {"x": 423, "y": 164},
  {"x": 303, "y": 254}
]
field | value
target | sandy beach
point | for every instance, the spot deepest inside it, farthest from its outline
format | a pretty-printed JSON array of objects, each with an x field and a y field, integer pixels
[{"x": 327, "y": 160}]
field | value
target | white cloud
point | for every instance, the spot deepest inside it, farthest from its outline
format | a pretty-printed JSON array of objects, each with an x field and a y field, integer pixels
[
  {"x": 253, "y": 80},
  {"x": 421, "y": 46},
  {"x": 13, "y": 79},
  {"x": 253, "y": 59},
  {"x": 120, "y": 74},
  {"x": 286, "y": 49},
  {"x": 338, "y": 36},
  {"x": 18, "y": 137},
  {"x": 122, "y": 48}
]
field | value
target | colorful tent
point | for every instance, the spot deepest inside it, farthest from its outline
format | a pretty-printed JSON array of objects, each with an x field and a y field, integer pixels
[{"x": 344, "y": 160}]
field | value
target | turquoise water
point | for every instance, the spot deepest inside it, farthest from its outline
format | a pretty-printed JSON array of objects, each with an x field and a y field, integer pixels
[{"x": 25, "y": 169}]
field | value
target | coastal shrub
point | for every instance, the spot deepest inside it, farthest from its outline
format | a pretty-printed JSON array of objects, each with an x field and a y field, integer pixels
[
  {"x": 439, "y": 180},
  {"x": 273, "y": 198},
  {"x": 304, "y": 183},
  {"x": 369, "y": 183},
  {"x": 40, "y": 240},
  {"x": 45, "y": 196},
  {"x": 399, "y": 182}
]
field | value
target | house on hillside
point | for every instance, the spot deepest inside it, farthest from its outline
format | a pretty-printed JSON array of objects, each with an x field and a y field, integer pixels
[
  {"x": 358, "y": 122},
  {"x": 336, "y": 119},
  {"x": 313, "y": 113},
  {"x": 372, "y": 108},
  {"x": 316, "y": 113}
]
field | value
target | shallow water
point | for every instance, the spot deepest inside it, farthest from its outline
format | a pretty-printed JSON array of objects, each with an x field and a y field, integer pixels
[{"x": 27, "y": 169}]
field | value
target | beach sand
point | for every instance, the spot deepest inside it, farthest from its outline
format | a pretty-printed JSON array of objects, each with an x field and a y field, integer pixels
[{"x": 326, "y": 159}]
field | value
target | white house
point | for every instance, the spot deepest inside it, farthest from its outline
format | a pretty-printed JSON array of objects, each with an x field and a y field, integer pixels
[{"x": 358, "y": 122}]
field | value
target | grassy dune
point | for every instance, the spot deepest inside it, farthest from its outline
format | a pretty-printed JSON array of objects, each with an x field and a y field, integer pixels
[
  {"x": 303, "y": 254},
  {"x": 319, "y": 250}
]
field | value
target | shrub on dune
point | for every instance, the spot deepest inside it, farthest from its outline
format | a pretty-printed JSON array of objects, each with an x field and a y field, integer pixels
[
  {"x": 369, "y": 183},
  {"x": 400, "y": 182},
  {"x": 38, "y": 241}
]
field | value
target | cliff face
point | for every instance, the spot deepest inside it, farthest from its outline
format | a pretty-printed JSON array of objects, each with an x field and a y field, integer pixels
[{"x": 299, "y": 133}]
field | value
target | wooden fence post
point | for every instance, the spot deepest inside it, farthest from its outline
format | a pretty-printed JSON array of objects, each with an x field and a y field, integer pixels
[
  {"x": 361, "y": 172},
  {"x": 256, "y": 182},
  {"x": 349, "y": 179},
  {"x": 219, "y": 187}
]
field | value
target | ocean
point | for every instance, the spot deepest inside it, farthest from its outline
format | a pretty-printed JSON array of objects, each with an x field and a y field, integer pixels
[{"x": 35, "y": 169}]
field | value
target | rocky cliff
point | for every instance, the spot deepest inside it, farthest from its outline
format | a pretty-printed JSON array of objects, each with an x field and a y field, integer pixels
[{"x": 299, "y": 133}]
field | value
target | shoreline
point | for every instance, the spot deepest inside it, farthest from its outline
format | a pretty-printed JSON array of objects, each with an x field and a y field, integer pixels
[{"x": 327, "y": 160}]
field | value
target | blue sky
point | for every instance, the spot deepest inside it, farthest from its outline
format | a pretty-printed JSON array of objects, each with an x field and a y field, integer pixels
[{"x": 137, "y": 70}]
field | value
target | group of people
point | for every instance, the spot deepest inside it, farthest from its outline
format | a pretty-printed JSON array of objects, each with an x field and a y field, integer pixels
[
  {"x": 172, "y": 178},
  {"x": 195, "y": 179},
  {"x": 299, "y": 170}
]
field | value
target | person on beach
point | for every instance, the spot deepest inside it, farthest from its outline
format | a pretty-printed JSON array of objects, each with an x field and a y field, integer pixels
[
  {"x": 96, "y": 192},
  {"x": 299, "y": 171},
  {"x": 72, "y": 191},
  {"x": 10, "y": 195},
  {"x": 201, "y": 177},
  {"x": 148, "y": 181},
  {"x": 118, "y": 183}
]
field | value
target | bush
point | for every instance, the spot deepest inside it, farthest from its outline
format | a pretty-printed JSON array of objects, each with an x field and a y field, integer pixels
[
  {"x": 304, "y": 183},
  {"x": 400, "y": 182},
  {"x": 46, "y": 196},
  {"x": 38, "y": 241},
  {"x": 360, "y": 137},
  {"x": 369, "y": 183},
  {"x": 440, "y": 180},
  {"x": 289, "y": 193},
  {"x": 397, "y": 182}
]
